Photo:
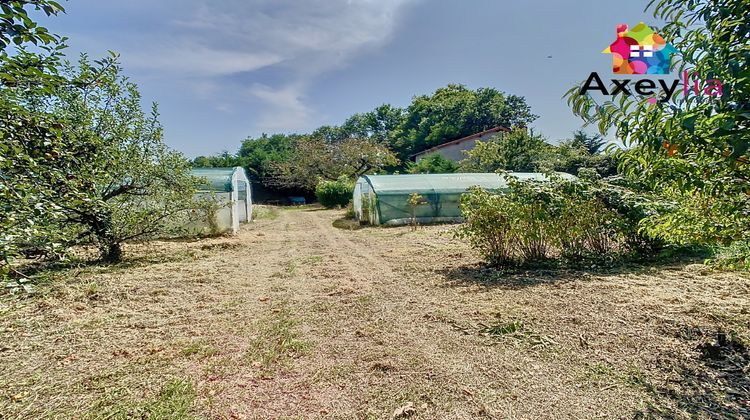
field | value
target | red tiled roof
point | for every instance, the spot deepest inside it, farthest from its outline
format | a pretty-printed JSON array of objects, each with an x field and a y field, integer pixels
[{"x": 473, "y": 136}]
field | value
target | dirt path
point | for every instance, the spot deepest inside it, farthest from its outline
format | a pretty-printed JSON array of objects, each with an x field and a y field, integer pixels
[{"x": 294, "y": 318}]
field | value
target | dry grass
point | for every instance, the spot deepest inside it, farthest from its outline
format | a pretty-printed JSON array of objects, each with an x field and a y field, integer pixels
[{"x": 294, "y": 318}]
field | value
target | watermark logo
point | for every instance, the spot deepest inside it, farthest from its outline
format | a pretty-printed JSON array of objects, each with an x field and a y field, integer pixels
[{"x": 640, "y": 51}]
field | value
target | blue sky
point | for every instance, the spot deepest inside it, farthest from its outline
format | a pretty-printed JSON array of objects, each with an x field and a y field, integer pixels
[{"x": 223, "y": 70}]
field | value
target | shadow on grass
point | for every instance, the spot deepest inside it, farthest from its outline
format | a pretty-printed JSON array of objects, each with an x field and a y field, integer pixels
[
  {"x": 555, "y": 271},
  {"x": 42, "y": 272},
  {"x": 714, "y": 386},
  {"x": 510, "y": 278},
  {"x": 347, "y": 224}
]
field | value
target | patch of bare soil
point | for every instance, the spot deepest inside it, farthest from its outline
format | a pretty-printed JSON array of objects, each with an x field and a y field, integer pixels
[{"x": 295, "y": 318}]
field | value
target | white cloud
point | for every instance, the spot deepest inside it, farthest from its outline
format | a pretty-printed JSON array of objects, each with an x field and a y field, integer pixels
[
  {"x": 242, "y": 55},
  {"x": 285, "y": 110},
  {"x": 292, "y": 28},
  {"x": 199, "y": 60},
  {"x": 301, "y": 39}
]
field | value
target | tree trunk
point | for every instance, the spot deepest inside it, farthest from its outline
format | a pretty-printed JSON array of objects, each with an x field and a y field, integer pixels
[
  {"x": 111, "y": 252},
  {"x": 110, "y": 249}
]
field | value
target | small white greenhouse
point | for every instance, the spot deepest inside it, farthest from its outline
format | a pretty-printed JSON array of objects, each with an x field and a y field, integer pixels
[{"x": 230, "y": 187}]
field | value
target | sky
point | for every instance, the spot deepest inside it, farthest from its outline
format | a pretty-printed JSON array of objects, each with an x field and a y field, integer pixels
[{"x": 225, "y": 70}]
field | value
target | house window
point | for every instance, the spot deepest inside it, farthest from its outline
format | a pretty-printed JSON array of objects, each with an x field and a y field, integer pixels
[{"x": 641, "y": 51}]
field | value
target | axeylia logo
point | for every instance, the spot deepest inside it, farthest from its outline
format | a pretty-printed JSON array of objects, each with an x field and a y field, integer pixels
[{"x": 642, "y": 52}]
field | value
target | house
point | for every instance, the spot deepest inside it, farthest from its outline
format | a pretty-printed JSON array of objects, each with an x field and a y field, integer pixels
[
  {"x": 454, "y": 150},
  {"x": 640, "y": 51}
]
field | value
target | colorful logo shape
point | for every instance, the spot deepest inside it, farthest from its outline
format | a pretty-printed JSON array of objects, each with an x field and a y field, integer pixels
[{"x": 640, "y": 51}]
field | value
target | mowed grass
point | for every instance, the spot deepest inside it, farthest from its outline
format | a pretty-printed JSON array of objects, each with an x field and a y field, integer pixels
[
  {"x": 294, "y": 318},
  {"x": 276, "y": 342},
  {"x": 173, "y": 401}
]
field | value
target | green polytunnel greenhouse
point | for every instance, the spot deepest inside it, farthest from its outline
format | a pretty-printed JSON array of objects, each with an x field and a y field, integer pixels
[
  {"x": 230, "y": 188},
  {"x": 384, "y": 199}
]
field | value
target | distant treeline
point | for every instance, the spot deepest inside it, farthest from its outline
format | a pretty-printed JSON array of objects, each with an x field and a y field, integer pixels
[{"x": 384, "y": 138}]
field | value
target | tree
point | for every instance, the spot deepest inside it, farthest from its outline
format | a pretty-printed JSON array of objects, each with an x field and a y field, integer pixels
[
  {"x": 260, "y": 156},
  {"x": 517, "y": 151},
  {"x": 16, "y": 27},
  {"x": 126, "y": 184},
  {"x": 433, "y": 164},
  {"x": 455, "y": 111},
  {"x": 378, "y": 124},
  {"x": 30, "y": 141},
  {"x": 591, "y": 143},
  {"x": 694, "y": 148},
  {"x": 31, "y": 147},
  {"x": 314, "y": 159},
  {"x": 572, "y": 155},
  {"x": 451, "y": 112},
  {"x": 89, "y": 164},
  {"x": 222, "y": 160}
]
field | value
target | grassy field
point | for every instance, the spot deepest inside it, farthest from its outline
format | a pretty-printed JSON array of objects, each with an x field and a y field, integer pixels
[{"x": 294, "y": 318}]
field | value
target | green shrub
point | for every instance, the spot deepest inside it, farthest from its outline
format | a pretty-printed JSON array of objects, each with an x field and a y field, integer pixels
[
  {"x": 735, "y": 256},
  {"x": 350, "y": 213},
  {"x": 334, "y": 193},
  {"x": 488, "y": 226},
  {"x": 537, "y": 221},
  {"x": 433, "y": 164}
]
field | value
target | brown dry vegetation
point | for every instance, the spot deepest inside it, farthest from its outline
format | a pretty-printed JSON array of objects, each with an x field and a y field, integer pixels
[{"x": 296, "y": 319}]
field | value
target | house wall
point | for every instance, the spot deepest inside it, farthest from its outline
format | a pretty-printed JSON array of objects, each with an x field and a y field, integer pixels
[{"x": 455, "y": 152}]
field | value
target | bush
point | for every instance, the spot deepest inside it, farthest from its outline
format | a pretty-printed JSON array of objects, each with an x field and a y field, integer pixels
[
  {"x": 488, "y": 226},
  {"x": 334, "y": 193},
  {"x": 735, "y": 256},
  {"x": 535, "y": 221},
  {"x": 433, "y": 164},
  {"x": 350, "y": 213},
  {"x": 636, "y": 208}
]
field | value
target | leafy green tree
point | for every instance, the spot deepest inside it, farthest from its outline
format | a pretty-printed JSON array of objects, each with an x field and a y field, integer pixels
[
  {"x": 314, "y": 159},
  {"x": 88, "y": 163},
  {"x": 694, "y": 148},
  {"x": 591, "y": 143},
  {"x": 455, "y": 111},
  {"x": 330, "y": 133},
  {"x": 433, "y": 164},
  {"x": 126, "y": 184},
  {"x": 378, "y": 124},
  {"x": 30, "y": 141},
  {"x": 32, "y": 153},
  {"x": 222, "y": 160},
  {"x": 451, "y": 112},
  {"x": 519, "y": 151},
  {"x": 16, "y": 27},
  {"x": 260, "y": 156},
  {"x": 575, "y": 154}
]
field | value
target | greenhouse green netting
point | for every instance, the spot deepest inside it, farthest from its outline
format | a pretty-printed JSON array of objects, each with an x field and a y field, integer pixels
[{"x": 383, "y": 199}]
